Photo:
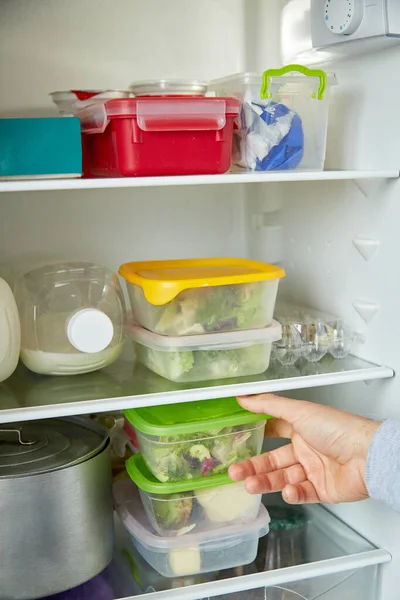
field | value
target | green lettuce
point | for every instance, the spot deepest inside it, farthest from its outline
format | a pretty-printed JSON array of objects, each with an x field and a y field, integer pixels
[
  {"x": 220, "y": 308},
  {"x": 176, "y": 458}
]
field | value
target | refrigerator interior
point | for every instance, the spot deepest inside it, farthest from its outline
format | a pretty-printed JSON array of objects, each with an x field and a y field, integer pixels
[{"x": 312, "y": 229}]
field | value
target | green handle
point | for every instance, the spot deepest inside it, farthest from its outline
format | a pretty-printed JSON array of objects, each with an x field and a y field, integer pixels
[{"x": 290, "y": 69}]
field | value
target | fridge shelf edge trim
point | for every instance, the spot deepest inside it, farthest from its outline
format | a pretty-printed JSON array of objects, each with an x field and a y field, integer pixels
[
  {"x": 270, "y": 578},
  {"x": 191, "y": 395},
  {"x": 32, "y": 185}
]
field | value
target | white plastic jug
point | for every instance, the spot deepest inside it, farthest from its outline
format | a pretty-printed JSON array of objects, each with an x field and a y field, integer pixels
[{"x": 10, "y": 332}]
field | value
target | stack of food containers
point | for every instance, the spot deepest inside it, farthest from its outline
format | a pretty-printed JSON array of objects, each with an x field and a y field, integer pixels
[
  {"x": 192, "y": 518},
  {"x": 203, "y": 319}
]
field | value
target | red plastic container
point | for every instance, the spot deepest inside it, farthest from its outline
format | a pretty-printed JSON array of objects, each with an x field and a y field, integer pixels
[{"x": 153, "y": 136}]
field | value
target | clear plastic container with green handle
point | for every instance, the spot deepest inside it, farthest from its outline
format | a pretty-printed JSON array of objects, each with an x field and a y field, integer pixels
[{"x": 283, "y": 118}]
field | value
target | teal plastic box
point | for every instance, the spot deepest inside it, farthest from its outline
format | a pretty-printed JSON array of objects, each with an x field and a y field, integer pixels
[{"x": 40, "y": 148}]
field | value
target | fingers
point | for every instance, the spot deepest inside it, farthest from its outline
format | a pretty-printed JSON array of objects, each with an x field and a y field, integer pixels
[
  {"x": 300, "y": 493},
  {"x": 264, "y": 463},
  {"x": 266, "y": 483},
  {"x": 276, "y": 406}
]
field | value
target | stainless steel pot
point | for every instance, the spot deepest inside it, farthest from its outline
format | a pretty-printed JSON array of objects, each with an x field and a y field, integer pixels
[{"x": 56, "y": 518}]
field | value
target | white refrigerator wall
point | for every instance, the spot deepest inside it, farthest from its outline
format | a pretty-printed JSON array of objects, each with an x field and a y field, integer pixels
[
  {"x": 322, "y": 224},
  {"x": 311, "y": 228}
]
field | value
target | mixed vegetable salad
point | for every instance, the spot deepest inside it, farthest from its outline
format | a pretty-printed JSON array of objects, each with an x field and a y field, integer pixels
[
  {"x": 205, "y": 310},
  {"x": 201, "y": 365},
  {"x": 181, "y": 457},
  {"x": 179, "y": 514}
]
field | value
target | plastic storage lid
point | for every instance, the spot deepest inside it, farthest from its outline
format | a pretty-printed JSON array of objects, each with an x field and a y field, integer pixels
[
  {"x": 166, "y": 87},
  {"x": 247, "y": 78},
  {"x": 227, "y": 340},
  {"x": 132, "y": 515},
  {"x": 87, "y": 94},
  {"x": 162, "y": 281},
  {"x": 190, "y": 417},
  {"x": 145, "y": 480},
  {"x": 161, "y": 113},
  {"x": 41, "y": 446}
]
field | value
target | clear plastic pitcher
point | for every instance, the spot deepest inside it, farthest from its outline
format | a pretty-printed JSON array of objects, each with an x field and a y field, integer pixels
[{"x": 72, "y": 316}]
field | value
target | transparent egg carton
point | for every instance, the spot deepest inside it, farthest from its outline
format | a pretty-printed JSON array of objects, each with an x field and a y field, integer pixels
[{"x": 311, "y": 335}]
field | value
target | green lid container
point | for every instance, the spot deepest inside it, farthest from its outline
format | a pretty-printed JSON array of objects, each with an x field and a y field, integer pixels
[
  {"x": 145, "y": 480},
  {"x": 191, "y": 417}
]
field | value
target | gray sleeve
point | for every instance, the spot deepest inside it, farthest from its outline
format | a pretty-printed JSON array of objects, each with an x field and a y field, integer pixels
[{"x": 383, "y": 464}]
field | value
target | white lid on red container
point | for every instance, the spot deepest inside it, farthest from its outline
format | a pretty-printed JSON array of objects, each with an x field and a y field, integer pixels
[
  {"x": 158, "y": 113},
  {"x": 86, "y": 94},
  {"x": 68, "y": 102},
  {"x": 169, "y": 87},
  {"x": 228, "y": 340}
]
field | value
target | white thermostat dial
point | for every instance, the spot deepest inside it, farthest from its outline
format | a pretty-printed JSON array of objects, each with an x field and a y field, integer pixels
[{"x": 343, "y": 17}]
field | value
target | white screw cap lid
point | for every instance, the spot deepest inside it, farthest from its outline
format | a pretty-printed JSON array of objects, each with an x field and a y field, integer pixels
[{"x": 90, "y": 330}]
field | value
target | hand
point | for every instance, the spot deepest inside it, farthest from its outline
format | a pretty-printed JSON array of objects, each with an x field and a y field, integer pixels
[{"x": 324, "y": 463}]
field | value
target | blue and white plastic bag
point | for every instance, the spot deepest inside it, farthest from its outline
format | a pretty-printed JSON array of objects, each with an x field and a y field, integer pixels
[{"x": 272, "y": 135}]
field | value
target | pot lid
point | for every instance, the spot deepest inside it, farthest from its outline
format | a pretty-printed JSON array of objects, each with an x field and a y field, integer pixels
[{"x": 41, "y": 446}]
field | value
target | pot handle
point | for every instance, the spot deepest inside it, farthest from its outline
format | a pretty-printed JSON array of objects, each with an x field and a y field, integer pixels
[{"x": 14, "y": 435}]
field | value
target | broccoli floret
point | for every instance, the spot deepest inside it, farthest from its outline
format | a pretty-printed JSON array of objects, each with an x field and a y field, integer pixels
[{"x": 174, "y": 511}]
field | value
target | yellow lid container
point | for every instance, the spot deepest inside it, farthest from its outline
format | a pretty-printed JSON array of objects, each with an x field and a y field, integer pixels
[{"x": 162, "y": 281}]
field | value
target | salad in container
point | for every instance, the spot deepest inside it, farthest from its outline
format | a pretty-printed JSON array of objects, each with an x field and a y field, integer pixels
[
  {"x": 203, "y": 504},
  {"x": 196, "y": 439},
  {"x": 206, "y": 357},
  {"x": 200, "y": 296}
]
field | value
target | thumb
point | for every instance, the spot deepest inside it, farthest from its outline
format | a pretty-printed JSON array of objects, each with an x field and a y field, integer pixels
[{"x": 276, "y": 406}]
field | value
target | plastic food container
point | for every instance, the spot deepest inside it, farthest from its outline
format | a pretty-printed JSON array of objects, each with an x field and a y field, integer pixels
[
  {"x": 203, "y": 504},
  {"x": 198, "y": 296},
  {"x": 196, "y": 439},
  {"x": 72, "y": 317},
  {"x": 10, "y": 332},
  {"x": 169, "y": 87},
  {"x": 68, "y": 101},
  {"x": 146, "y": 578},
  {"x": 310, "y": 335},
  {"x": 193, "y": 553},
  {"x": 131, "y": 433},
  {"x": 158, "y": 135},
  {"x": 206, "y": 357},
  {"x": 283, "y": 118}
]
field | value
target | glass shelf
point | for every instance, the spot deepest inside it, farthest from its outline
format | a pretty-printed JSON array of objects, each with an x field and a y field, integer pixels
[
  {"x": 323, "y": 555},
  {"x": 26, "y": 396}
]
